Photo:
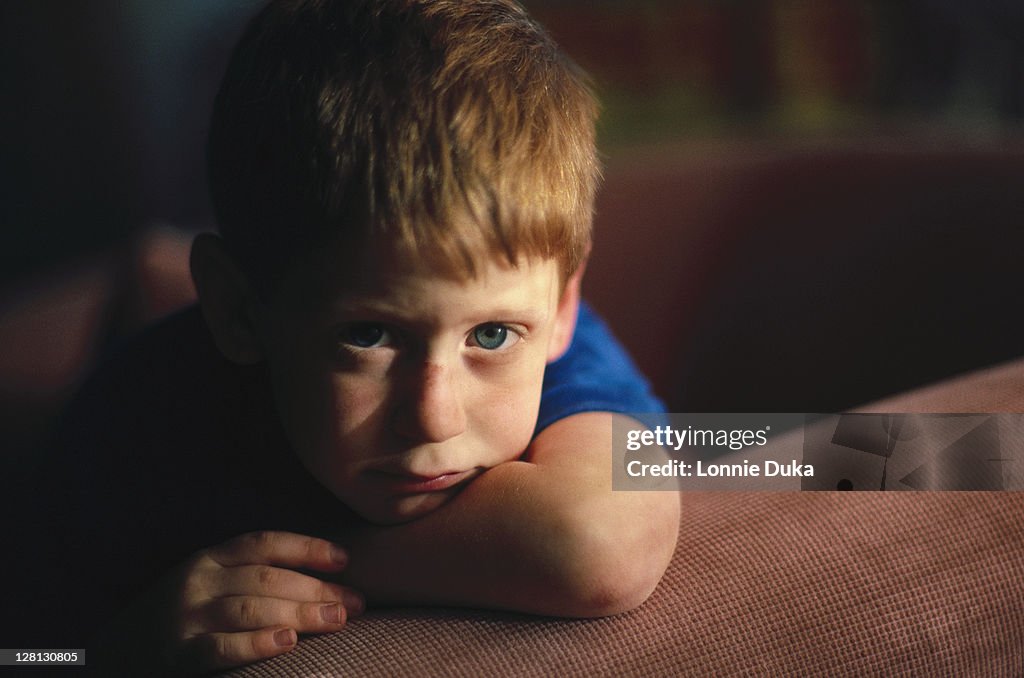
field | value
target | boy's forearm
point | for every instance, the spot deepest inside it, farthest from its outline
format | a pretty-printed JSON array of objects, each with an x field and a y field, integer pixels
[{"x": 544, "y": 536}]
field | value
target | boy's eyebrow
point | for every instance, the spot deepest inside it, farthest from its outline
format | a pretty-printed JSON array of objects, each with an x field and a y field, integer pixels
[{"x": 379, "y": 309}]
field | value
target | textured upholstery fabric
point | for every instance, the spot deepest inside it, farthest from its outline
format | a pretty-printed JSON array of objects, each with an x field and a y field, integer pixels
[
  {"x": 995, "y": 389},
  {"x": 779, "y": 584},
  {"x": 842, "y": 584}
]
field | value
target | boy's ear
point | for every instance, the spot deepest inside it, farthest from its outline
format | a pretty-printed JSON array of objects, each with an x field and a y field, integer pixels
[
  {"x": 565, "y": 315},
  {"x": 227, "y": 299}
]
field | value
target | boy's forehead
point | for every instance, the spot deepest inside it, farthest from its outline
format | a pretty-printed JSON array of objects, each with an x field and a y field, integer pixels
[{"x": 351, "y": 276}]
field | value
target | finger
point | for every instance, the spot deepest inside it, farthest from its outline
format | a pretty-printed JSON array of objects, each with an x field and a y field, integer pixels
[
  {"x": 250, "y": 613},
  {"x": 276, "y": 582},
  {"x": 283, "y": 549},
  {"x": 224, "y": 650}
]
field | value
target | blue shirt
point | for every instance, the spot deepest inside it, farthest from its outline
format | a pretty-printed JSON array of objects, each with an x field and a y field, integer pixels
[{"x": 595, "y": 375}]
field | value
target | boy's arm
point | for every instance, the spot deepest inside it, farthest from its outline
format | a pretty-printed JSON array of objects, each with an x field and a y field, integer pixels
[{"x": 546, "y": 536}]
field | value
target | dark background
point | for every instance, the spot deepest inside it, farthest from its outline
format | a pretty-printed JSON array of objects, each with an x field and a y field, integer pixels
[{"x": 105, "y": 110}]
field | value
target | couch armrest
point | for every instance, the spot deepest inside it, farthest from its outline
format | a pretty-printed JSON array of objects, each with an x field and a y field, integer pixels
[
  {"x": 995, "y": 389},
  {"x": 842, "y": 584}
]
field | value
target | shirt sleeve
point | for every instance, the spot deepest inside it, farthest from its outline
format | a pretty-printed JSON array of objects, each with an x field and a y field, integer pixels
[{"x": 595, "y": 375}]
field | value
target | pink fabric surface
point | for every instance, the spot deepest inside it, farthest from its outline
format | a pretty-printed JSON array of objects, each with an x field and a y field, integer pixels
[
  {"x": 841, "y": 584},
  {"x": 999, "y": 388},
  {"x": 774, "y": 584}
]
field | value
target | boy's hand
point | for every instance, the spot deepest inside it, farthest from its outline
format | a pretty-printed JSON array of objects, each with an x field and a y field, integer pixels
[{"x": 236, "y": 603}]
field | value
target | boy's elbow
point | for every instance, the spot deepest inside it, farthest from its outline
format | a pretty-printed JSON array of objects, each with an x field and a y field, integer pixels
[
  {"x": 618, "y": 560},
  {"x": 604, "y": 591}
]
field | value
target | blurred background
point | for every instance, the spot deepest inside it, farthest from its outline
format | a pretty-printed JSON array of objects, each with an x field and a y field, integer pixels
[
  {"x": 808, "y": 204},
  {"x": 675, "y": 69}
]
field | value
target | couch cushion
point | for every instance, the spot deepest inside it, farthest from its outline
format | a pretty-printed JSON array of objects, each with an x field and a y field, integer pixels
[{"x": 842, "y": 584}]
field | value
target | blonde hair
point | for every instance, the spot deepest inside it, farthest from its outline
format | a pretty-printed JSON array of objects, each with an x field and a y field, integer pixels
[{"x": 448, "y": 129}]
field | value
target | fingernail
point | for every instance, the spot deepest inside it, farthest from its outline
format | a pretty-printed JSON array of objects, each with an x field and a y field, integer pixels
[
  {"x": 285, "y": 637},
  {"x": 354, "y": 603},
  {"x": 339, "y": 555},
  {"x": 331, "y": 613}
]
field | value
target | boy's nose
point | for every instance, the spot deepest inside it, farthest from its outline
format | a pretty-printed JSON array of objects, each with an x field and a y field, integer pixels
[{"x": 432, "y": 411}]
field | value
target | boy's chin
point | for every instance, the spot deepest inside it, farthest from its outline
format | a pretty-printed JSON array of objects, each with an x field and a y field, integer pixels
[{"x": 398, "y": 510}]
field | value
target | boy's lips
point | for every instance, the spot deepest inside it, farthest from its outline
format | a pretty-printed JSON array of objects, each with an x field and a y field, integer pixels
[{"x": 401, "y": 482}]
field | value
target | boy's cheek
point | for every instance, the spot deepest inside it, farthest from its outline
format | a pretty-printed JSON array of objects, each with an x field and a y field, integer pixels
[
  {"x": 356, "y": 404},
  {"x": 512, "y": 427}
]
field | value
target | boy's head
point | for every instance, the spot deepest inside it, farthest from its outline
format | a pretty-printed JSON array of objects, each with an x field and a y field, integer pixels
[
  {"x": 404, "y": 190},
  {"x": 453, "y": 130}
]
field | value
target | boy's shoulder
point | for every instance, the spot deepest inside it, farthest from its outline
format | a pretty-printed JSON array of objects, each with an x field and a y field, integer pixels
[
  {"x": 169, "y": 439},
  {"x": 596, "y": 374},
  {"x": 167, "y": 383}
]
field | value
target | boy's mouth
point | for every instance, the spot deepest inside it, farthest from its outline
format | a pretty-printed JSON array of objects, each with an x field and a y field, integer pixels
[{"x": 401, "y": 482}]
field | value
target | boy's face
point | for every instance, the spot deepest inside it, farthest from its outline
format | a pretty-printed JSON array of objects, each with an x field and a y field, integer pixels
[{"x": 397, "y": 386}]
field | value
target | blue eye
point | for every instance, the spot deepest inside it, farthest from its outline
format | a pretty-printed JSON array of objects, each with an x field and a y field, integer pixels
[
  {"x": 366, "y": 335},
  {"x": 490, "y": 336}
]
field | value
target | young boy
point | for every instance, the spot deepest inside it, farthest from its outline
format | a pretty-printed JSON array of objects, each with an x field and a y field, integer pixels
[{"x": 396, "y": 397}]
